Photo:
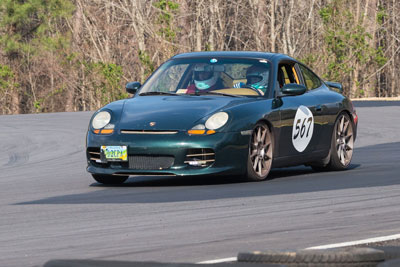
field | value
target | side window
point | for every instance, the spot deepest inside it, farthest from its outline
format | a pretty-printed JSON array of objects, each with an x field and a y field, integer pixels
[
  {"x": 169, "y": 80},
  {"x": 287, "y": 74},
  {"x": 310, "y": 79}
]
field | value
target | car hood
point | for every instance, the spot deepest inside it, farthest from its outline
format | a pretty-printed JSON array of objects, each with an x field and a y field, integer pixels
[{"x": 172, "y": 112}]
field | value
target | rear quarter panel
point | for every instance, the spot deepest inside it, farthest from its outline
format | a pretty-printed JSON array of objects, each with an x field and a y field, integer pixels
[{"x": 333, "y": 103}]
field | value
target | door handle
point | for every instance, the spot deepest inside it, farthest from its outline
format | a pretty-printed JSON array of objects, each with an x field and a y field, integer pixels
[{"x": 318, "y": 108}]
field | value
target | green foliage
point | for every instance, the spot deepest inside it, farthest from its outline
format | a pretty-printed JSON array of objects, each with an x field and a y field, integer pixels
[
  {"x": 147, "y": 64},
  {"x": 112, "y": 74},
  {"x": 39, "y": 104},
  {"x": 166, "y": 18},
  {"x": 380, "y": 56},
  {"x": 109, "y": 88},
  {"x": 381, "y": 15},
  {"x": 326, "y": 14},
  {"x": 104, "y": 79},
  {"x": 48, "y": 69},
  {"x": 30, "y": 30},
  {"x": 30, "y": 23},
  {"x": 348, "y": 44},
  {"x": 33, "y": 12},
  {"x": 309, "y": 59},
  {"x": 6, "y": 78}
]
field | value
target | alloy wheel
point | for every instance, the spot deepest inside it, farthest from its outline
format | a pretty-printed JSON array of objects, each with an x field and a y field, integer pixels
[
  {"x": 344, "y": 140},
  {"x": 261, "y": 151}
]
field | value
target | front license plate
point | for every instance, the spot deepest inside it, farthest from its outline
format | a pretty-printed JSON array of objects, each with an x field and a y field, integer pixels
[{"x": 115, "y": 153}]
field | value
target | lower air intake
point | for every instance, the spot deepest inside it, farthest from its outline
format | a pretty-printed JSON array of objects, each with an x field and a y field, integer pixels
[
  {"x": 200, "y": 157},
  {"x": 93, "y": 153},
  {"x": 150, "y": 162}
]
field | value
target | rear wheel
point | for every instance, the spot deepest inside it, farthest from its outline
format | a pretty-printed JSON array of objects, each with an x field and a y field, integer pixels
[
  {"x": 109, "y": 179},
  {"x": 342, "y": 145},
  {"x": 260, "y": 153}
]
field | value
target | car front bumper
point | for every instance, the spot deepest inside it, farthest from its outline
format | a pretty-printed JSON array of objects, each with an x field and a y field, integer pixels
[{"x": 230, "y": 149}]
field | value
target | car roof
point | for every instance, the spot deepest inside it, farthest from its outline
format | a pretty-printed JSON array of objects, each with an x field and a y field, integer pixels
[{"x": 235, "y": 54}]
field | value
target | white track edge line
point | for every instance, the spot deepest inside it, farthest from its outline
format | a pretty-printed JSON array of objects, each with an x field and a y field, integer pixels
[
  {"x": 218, "y": 260},
  {"x": 358, "y": 242}
]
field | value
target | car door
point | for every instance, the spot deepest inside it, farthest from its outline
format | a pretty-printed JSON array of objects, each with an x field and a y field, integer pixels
[
  {"x": 317, "y": 88},
  {"x": 299, "y": 131}
]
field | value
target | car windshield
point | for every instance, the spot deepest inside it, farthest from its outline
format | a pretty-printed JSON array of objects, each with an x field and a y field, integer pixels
[{"x": 199, "y": 76}]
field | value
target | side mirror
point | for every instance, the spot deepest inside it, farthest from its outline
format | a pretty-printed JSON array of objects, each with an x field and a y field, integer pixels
[
  {"x": 293, "y": 89},
  {"x": 132, "y": 87},
  {"x": 338, "y": 87}
]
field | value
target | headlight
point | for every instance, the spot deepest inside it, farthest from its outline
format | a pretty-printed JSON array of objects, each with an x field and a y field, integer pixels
[
  {"x": 101, "y": 119},
  {"x": 217, "y": 120}
]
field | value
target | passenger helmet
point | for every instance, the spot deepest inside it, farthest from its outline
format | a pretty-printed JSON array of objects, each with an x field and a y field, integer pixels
[{"x": 257, "y": 76}]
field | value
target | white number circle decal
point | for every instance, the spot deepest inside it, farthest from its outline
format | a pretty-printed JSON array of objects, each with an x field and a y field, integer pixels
[{"x": 303, "y": 127}]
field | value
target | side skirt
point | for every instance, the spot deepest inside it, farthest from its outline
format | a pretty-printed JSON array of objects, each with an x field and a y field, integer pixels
[{"x": 299, "y": 159}]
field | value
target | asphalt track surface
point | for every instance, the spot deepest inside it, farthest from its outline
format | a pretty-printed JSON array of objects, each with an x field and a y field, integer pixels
[{"x": 50, "y": 208}]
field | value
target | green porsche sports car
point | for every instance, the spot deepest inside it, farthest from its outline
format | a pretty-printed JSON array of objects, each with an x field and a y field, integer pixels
[{"x": 233, "y": 113}]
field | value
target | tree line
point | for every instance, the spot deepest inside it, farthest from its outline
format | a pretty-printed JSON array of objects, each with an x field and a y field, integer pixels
[{"x": 77, "y": 55}]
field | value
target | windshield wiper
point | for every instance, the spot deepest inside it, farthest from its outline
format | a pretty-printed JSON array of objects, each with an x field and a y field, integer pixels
[
  {"x": 157, "y": 93},
  {"x": 215, "y": 93}
]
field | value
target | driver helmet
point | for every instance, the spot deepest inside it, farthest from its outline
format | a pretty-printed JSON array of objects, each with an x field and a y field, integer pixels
[
  {"x": 257, "y": 76},
  {"x": 204, "y": 76}
]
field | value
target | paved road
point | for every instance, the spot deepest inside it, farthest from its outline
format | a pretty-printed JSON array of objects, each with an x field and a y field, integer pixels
[{"x": 50, "y": 207}]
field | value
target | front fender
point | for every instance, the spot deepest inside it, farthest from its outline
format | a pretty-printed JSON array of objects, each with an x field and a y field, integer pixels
[
  {"x": 245, "y": 116},
  {"x": 115, "y": 108}
]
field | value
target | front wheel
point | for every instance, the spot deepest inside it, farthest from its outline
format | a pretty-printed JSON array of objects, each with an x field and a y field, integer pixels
[
  {"x": 109, "y": 179},
  {"x": 260, "y": 153}
]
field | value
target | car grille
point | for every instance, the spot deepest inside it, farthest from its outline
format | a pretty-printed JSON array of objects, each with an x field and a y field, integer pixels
[
  {"x": 137, "y": 162},
  {"x": 150, "y": 162},
  {"x": 200, "y": 157}
]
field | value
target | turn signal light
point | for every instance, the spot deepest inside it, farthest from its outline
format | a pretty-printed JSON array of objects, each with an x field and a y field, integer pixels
[
  {"x": 104, "y": 131},
  {"x": 196, "y": 131},
  {"x": 201, "y": 132},
  {"x": 107, "y": 131}
]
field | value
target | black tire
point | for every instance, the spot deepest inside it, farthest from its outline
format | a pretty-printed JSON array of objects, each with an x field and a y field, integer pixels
[
  {"x": 342, "y": 144},
  {"x": 260, "y": 153},
  {"x": 391, "y": 252},
  {"x": 390, "y": 263},
  {"x": 109, "y": 179},
  {"x": 334, "y": 257}
]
